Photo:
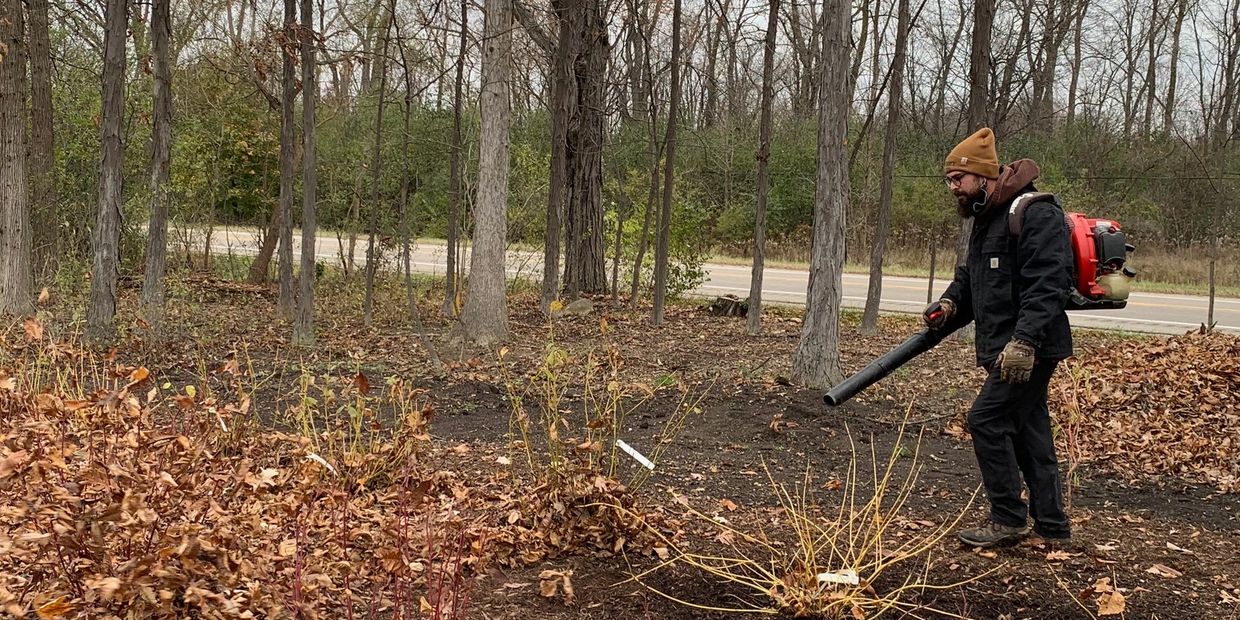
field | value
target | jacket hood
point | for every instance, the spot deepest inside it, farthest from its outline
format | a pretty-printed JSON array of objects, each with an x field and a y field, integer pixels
[{"x": 1013, "y": 178}]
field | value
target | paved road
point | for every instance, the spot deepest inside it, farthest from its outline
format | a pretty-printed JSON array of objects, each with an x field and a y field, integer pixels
[{"x": 1146, "y": 312}]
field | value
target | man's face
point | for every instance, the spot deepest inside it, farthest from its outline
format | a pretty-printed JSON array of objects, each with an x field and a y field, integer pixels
[{"x": 967, "y": 188}]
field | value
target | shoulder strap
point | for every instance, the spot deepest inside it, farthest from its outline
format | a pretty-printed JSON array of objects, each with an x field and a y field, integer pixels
[{"x": 1016, "y": 213}]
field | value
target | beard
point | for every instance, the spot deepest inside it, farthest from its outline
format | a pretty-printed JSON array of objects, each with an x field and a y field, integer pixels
[{"x": 970, "y": 205}]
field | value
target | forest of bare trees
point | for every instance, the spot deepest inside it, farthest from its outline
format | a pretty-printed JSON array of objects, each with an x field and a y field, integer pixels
[{"x": 625, "y": 140}]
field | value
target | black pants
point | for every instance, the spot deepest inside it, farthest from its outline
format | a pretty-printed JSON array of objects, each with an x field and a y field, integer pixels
[{"x": 1011, "y": 429}]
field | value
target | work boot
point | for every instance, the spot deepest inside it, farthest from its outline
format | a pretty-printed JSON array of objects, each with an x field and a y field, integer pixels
[{"x": 991, "y": 534}]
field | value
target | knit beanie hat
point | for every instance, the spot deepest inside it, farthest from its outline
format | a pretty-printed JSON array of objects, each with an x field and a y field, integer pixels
[{"x": 976, "y": 154}]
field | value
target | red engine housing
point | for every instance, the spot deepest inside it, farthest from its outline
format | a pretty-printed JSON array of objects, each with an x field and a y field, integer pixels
[{"x": 1085, "y": 244}]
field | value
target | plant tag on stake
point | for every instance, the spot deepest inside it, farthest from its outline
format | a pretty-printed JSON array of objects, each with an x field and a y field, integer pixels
[
  {"x": 844, "y": 577},
  {"x": 637, "y": 456}
]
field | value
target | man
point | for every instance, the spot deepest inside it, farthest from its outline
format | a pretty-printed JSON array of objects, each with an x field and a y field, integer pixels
[{"x": 1014, "y": 287}]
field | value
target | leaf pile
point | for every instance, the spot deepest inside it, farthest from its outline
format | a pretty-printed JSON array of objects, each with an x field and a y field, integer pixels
[
  {"x": 1158, "y": 408},
  {"x": 108, "y": 510}
]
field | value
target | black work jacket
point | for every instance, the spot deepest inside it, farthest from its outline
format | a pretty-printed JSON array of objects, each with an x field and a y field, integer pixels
[{"x": 1016, "y": 287}]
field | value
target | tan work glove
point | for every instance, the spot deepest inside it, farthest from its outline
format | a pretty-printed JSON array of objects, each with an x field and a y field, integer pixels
[
  {"x": 1016, "y": 362},
  {"x": 939, "y": 313}
]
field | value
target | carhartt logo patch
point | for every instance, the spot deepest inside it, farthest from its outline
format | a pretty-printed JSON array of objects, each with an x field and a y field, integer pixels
[
  {"x": 994, "y": 262},
  {"x": 964, "y": 159}
]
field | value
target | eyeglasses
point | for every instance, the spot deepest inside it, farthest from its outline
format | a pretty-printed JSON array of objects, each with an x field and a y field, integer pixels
[{"x": 954, "y": 180}]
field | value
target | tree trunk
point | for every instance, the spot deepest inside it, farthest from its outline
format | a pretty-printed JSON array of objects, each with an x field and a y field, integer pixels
[
  {"x": 287, "y": 302},
  {"x": 1130, "y": 69},
  {"x": 710, "y": 77},
  {"x": 15, "y": 233},
  {"x": 585, "y": 258},
  {"x": 303, "y": 326},
  {"x": 406, "y": 183},
  {"x": 42, "y": 160},
  {"x": 940, "y": 82},
  {"x": 979, "y": 64},
  {"x": 484, "y": 319},
  {"x": 161, "y": 155},
  {"x": 563, "y": 98},
  {"x": 1151, "y": 67},
  {"x": 622, "y": 215},
  {"x": 816, "y": 361},
  {"x": 654, "y": 152},
  {"x": 869, "y": 321},
  {"x": 753, "y": 321},
  {"x": 376, "y": 165},
  {"x": 1077, "y": 59},
  {"x": 662, "y": 245},
  {"x": 450, "y": 306},
  {"x": 271, "y": 238},
  {"x": 1181, "y": 8},
  {"x": 102, "y": 310}
]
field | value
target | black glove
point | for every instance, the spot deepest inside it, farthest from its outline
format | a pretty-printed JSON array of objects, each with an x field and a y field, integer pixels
[
  {"x": 1016, "y": 362},
  {"x": 939, "y": 313}
]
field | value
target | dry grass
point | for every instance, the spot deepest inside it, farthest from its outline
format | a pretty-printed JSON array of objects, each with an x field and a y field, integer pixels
[{"x": 827, "y": 562}]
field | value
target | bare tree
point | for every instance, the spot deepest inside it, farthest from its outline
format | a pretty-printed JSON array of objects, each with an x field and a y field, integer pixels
[
  {"x": 753, "y": 321},
  {"x": 977, "y": 112},
  {"x": 406, "y": 186},
  {"x": 869, "y": 321},
  {"x": 1078, "y": 33},
  {"x": 1153, "y": 32},
  {"x": 42, "y": 158},
  {"x": 662, "y": 245},
  {"x": 303, "y": 324},
  {"x": 102, "y": 309},
  {"x": 287, "y": 303},
  {"x": 161, "y": 157},
  {"x": 15, "y": 234},
  {"x": 816, "y": 361},
  {"x": 650, "y": 105},
  {"x": 484, "y": 319},
  {"x": 1173, "y": 69},
  {"x": 454, "y": 170},
  {"x": 584, "y": 256},
  {"x": 376, "y": 165},
  {"x": 563, "y": 100}
]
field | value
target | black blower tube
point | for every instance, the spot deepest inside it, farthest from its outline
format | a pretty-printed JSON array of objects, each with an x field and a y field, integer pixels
[{"x": 915, "y": 345}]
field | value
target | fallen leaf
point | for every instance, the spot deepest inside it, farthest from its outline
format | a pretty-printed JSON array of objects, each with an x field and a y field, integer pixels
[
  {"x": 288, "y": 548},
  {"x": 1162, "y": 570},
  {"x": 363, "y": 385},
  {"x": 503, "y": 460},
  {"x": 1105, "y": 548},
  {"x": 106, "y": 587},
  {"x": 549, "y": 583},
  {"x": 34, "y": 329},
  {"x": 53, "y": 609},
  {"x": 729, "y": 505},
  {"x": 1111, "y": 604},
  {"x": 1058, "y": 556},
  {"x": 12, "y": 462},
  {"x": 44, "y": 296},
  {"x": 1173, "y": 547},
  {"x": 138, "y": 376}
]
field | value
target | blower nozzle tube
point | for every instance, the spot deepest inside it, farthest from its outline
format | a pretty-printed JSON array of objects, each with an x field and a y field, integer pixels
[{"x": 915, "y": 345}]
